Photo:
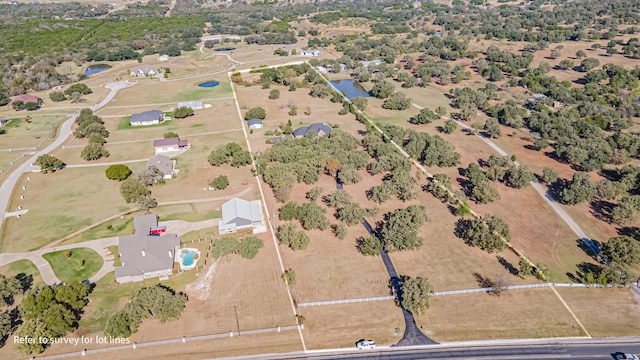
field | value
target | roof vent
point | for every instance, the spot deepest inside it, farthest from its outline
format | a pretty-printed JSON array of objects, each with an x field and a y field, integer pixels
[{"x": 143, "y": 253}]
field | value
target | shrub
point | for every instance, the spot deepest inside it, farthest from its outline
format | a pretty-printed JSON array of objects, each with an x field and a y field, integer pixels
[
  {"x": 117, "y": 172},
  {"x": 57, "y": 96},
  {"x": 255, "y": 113},
  {"x": 219, "y": 183},
  {"x": 183, "y": 112}
]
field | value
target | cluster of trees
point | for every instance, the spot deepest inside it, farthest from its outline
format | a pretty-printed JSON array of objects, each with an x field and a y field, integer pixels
[
  {"x": 246, "y": 247},
  {"x": 425, "y": 116},
  {"x": 398, "y": 231},
  {"x": 158, "y": 302},
  {"x": 478, "y": 187},
  {"x": 311, "y": 215},
  {"x": 48, "y": 163},
  {"x": 289, "y": 235},
  {"x": 303, "y": 160},
  {"x": 489, "y": 232},
  {"x": 135, "y": 190},
  {"x": 231, "y": 153},
  {"x": 398, "y": 183},
  {"x": 183, "y": 112},
  {"x": 50, "y": 312},
  {"x": 73, "y": 93},
  {"x": 92, "y": 127}
]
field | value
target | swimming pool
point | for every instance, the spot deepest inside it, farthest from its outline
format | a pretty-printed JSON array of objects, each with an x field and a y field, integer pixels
[{"x": 188, "y": 258}]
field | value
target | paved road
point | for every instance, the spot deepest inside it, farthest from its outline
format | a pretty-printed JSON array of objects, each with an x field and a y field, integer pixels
[
  {"x": 494, "y": 350},
  {"x": 63, "y": 132},
  {"x": 412, "y": 334}
]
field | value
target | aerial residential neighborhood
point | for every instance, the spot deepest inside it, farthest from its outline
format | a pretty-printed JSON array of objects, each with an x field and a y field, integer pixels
[{"x": 326, "y": 179}]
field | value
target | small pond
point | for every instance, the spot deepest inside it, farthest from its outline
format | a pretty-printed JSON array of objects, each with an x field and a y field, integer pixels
[
  {"x": 209, "y": 84},
  {"x": 352, "y": 89},
  {"x": 225, "y": 49},
  {"x": 94, "y": 69}
]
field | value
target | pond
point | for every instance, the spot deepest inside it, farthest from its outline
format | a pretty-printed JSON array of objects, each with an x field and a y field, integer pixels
[
  {"x": 94, "y": 69},
  {"x": 225, "y": 49},
  {"x": 208, "y": 84},
  {"x": 352, "y": 89}
]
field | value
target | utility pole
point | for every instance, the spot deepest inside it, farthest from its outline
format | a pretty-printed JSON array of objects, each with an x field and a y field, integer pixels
[{"x": 237, "y": 322}]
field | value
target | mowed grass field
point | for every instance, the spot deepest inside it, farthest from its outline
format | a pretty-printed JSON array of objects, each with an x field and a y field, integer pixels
[
  {"x": 530, "y": 313},
  {"x": 80, "y": 265},
  {"x": 59, "y": 203},
  {"x": 20, "y": 134},
  {"x": 154, "y": 92}
]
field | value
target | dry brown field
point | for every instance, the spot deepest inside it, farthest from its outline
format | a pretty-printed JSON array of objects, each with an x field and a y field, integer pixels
[
  {"x": 531, "y": 313},
  {"x": 341, "y": 326},
  {"x": 621, "y": 317}
]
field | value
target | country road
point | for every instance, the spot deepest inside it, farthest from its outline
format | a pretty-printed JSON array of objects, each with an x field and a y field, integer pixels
[{"x": 63, "y": 132}]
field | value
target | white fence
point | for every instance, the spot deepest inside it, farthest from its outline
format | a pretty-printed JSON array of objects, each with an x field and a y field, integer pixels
[
  {"x": 168, "y": 341},
  {"x": 450, "y": 292}
]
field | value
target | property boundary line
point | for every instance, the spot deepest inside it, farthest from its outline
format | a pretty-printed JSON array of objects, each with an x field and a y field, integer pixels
[
  {"x": 454, "y": 292},
  {"x": 183, "y": 339}
]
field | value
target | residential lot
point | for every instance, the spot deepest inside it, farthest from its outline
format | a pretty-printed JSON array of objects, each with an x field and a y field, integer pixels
[
  {"x": 533, "y": 313},
  {"x": 59, "y": 203}
]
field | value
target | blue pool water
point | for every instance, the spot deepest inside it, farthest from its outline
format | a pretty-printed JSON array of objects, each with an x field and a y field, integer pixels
[
  {"x": 352, "y": 89},
  {"x": 225, "y": 49},
  {"x": 187, "y": 257},
  {"x": 94, "y": 69},
  {"x": 209, "y": 84}
]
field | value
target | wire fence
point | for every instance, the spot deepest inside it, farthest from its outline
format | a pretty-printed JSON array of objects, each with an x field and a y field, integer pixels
[{"x": 183, "y": 339}]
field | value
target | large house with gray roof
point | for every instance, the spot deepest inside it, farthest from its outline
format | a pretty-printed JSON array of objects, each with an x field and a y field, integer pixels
[
  {"x": 144, "y": 70},
  {"x": 143, "y": 255},
  {"x": 321, "y": 129},
  {"x": 240, "y": 214},
  {"x": 150, "y": 117}
]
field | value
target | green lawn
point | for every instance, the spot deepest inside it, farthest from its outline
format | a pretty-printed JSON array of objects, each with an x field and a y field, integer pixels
[
  {"x": 74, "y": 265},
  {"x": 115, "y": 227},
  {"x": 25, "y": 267},
  {"x": 116, "y": 255}
]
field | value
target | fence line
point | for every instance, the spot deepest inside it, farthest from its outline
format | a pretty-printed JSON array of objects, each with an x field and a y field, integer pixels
[
  {"x": 169, "y": 341},
  {"x": 453, "y": 292}
]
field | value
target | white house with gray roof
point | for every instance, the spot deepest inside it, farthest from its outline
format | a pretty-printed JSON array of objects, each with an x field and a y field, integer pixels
[
  {"x": 145, "y": 256},
  {"x": 241, "y": 214},
  {"x": 164, "y": 164},
  {"x": 144, "y": 70},
  {"x": 150, "y": 117}
]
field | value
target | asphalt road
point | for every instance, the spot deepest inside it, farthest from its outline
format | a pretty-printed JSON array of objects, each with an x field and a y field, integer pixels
[
  {"x": 586, "y": 350},
  {"x": 65, "y": 130}
]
